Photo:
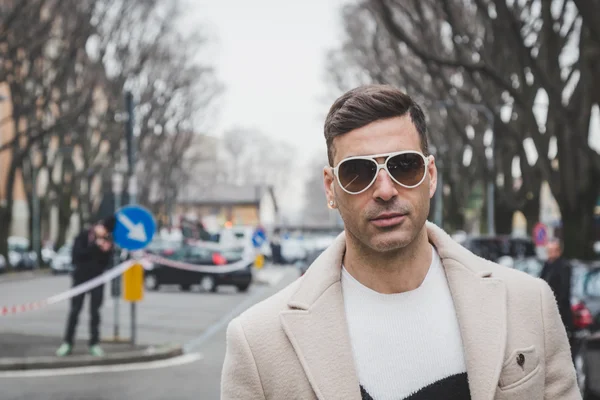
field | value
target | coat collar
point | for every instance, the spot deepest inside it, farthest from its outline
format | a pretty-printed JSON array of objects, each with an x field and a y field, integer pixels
[{"x": 316, "y": 322}]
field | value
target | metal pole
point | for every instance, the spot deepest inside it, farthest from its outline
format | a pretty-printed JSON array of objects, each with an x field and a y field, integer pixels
[
  {"x": 130, "y": 147},
  {"x": 116, "y": 282},
  {"x": 132, "y": 187},
  {"x": 35, "y": 234},
  {"x": 133, "y": 323}
]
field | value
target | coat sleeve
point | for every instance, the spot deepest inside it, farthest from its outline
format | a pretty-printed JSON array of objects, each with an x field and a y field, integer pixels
[
  {"x": 560, "y": 381},
  {"x": 240, "y": 378},
  {"x": 82, "y": 250}
]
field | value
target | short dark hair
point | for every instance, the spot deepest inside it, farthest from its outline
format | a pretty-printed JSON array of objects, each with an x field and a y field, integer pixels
[
  {"x": 109, "y": 223},
  {"x": 369, "y": 103}
]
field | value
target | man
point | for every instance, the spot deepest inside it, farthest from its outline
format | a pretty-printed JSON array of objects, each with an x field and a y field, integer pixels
[
  {"x": 275, "y": 243},
  {"x": 557, "y": 272},
  {"x": 91, "y": 255},
  {"x": 395, "y": 309}
]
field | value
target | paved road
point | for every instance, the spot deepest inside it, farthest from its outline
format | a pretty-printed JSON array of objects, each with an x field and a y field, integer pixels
[{"x": 196, "y": 319}]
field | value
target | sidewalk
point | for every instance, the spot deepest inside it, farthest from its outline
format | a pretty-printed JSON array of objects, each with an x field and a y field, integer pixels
[
  {"x": 270, "y": 274},
  {"x": 14, "y": 276},
  {"x": 20, "y": 352}
]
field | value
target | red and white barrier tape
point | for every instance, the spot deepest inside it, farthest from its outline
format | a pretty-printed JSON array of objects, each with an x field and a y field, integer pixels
[
  {"x": 147, "y": 260},
  {"x": 211, "y": 269}
]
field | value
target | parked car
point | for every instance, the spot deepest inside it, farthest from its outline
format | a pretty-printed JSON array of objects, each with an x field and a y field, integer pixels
[
  {"x": 200, "y": 254},
  {"x": 62, "y": 262},
  {"x": 158, "y": 246},
  {"x": 241, "y": 237},
  {"x": 494, "y": 247},
  {"x": 19, "y": 255}
]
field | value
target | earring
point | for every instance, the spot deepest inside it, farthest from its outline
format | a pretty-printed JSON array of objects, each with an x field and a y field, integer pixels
[{"x": 330, "y": 203}]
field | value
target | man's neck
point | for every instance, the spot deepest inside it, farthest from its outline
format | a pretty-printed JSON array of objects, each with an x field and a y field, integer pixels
[{"x": 391, "y": 272}]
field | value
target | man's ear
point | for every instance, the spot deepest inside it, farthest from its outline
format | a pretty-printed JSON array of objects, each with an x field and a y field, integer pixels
[
  {"x": 328, "y": 182},
  {"x": 432, "y": 171}
]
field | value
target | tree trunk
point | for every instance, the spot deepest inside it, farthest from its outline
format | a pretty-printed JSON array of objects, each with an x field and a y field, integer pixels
[
  {"x": 64, "y": 219},
  {"x": 6, "y": 212},
  {"x": 5, "y": 223},
  {"x": 531, "y": 210},
  {"x": 577, "y": 231},
  {"x": 454, "y": 217},
  {"x": 503, "y": 219}
]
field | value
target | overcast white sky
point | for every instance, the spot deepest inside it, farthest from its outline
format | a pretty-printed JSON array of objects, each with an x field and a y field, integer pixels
[{"x": 270, "y": 55}]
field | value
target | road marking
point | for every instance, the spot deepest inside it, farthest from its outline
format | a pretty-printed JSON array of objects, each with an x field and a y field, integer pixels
[{"x": 95, "y": 369}]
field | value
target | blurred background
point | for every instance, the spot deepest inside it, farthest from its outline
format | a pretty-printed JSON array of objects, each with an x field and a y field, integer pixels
[{"x": 210, "y": 113}]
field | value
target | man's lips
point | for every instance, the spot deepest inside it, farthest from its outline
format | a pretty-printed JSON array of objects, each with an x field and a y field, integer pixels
[{"x": 388, "y": 219}]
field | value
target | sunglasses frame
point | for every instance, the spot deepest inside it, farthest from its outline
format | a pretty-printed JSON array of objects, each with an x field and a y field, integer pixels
[{"x": 380, "y": 166}]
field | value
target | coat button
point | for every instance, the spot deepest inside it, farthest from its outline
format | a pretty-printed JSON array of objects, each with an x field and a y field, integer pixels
[{"x": 521, "y": 359}]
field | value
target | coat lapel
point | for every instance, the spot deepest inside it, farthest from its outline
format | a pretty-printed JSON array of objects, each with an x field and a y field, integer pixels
[
  {"x": 480, "y": 302},
  {"x": 317, "y": 329}
]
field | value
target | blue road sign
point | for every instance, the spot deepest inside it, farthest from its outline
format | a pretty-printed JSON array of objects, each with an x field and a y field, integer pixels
[
  {"x": 258, "y": 237},
  {"x": 135, "y": 228}
]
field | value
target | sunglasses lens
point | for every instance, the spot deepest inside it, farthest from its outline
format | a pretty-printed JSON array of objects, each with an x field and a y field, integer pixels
[
  {"x": 356, "y": 175},
  {"x": 407, "y": 168}
]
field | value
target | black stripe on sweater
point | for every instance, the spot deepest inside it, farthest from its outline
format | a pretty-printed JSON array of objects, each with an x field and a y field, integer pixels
[{"x": 455, "y": 387}]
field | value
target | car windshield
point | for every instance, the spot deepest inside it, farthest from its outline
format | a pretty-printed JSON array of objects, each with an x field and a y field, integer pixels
[
  {"x": 65, "y": 251},
  {"x": 18, "y": 246},
  {"x": 232, "y": 254}
]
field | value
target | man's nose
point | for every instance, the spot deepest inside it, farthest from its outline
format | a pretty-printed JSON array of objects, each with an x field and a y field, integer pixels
[{"x": 385, "y": 187}]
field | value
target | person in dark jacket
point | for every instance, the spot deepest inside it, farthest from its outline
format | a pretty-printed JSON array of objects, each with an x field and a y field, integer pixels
[
  {"x": 557, "y": 272},
  {"x": 91, "y": 256}
]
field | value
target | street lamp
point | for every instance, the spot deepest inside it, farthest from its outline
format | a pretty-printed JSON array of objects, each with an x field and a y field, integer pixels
[{"x": 490, "y": 157}]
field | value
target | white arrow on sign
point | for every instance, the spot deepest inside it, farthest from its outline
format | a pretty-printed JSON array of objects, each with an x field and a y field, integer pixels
[{"x": 136, "y": 231}]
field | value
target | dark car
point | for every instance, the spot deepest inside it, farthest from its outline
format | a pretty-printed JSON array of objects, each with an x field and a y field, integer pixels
[
  {"x": 200, "y": 254},
  {"x": 494, "y": 247}
]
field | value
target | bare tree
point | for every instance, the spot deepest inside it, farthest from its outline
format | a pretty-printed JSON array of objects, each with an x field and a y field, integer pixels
[{"x": 487, "y": 52}]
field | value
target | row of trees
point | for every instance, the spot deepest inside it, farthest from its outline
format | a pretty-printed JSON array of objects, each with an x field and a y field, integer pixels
[
  {"x": 526, "y": 70},
  {"x": 66, "y": 65}
]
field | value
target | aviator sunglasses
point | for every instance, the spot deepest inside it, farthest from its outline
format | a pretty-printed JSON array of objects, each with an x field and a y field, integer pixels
[{"x": 357, "y": 174}]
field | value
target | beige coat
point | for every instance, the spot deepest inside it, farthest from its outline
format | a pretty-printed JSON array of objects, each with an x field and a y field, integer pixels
[{"x": 295, "y": 344}]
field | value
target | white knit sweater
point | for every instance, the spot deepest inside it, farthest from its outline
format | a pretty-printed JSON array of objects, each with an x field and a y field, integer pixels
[{"x": 406, "y": 345}]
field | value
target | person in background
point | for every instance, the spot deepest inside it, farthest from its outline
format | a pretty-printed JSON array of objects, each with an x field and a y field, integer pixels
[
  {"x": 557, "y": 272},
  {"x": 92, "y": 255},
  {"x": 276, "y": 247}
]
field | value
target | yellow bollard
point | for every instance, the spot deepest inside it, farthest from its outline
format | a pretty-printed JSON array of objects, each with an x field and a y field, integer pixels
[
  {"x": 133, "y": 283},
  {"x": 259, "y": 261}
]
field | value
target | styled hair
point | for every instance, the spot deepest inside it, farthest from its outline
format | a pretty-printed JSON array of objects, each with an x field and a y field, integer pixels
[{"x": 366, "y": 104}]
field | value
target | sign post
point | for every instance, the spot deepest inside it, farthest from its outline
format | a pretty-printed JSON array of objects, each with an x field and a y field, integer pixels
[
  {"x": 133, "y": 291},
  {"x": 134, "y": 230},
  {"x": 258, "y": 239}
]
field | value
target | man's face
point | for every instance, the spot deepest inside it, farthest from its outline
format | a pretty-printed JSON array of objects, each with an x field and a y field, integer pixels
[
  {"x": 553, "y": 251},
  {"x": 360, "y": 212},
  {"x": 103, "y": 239}
]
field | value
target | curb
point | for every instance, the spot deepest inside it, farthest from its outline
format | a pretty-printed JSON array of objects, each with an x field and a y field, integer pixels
[
  {"x": 8, "y": 277},
  {"x": 151, "y": 353}
]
